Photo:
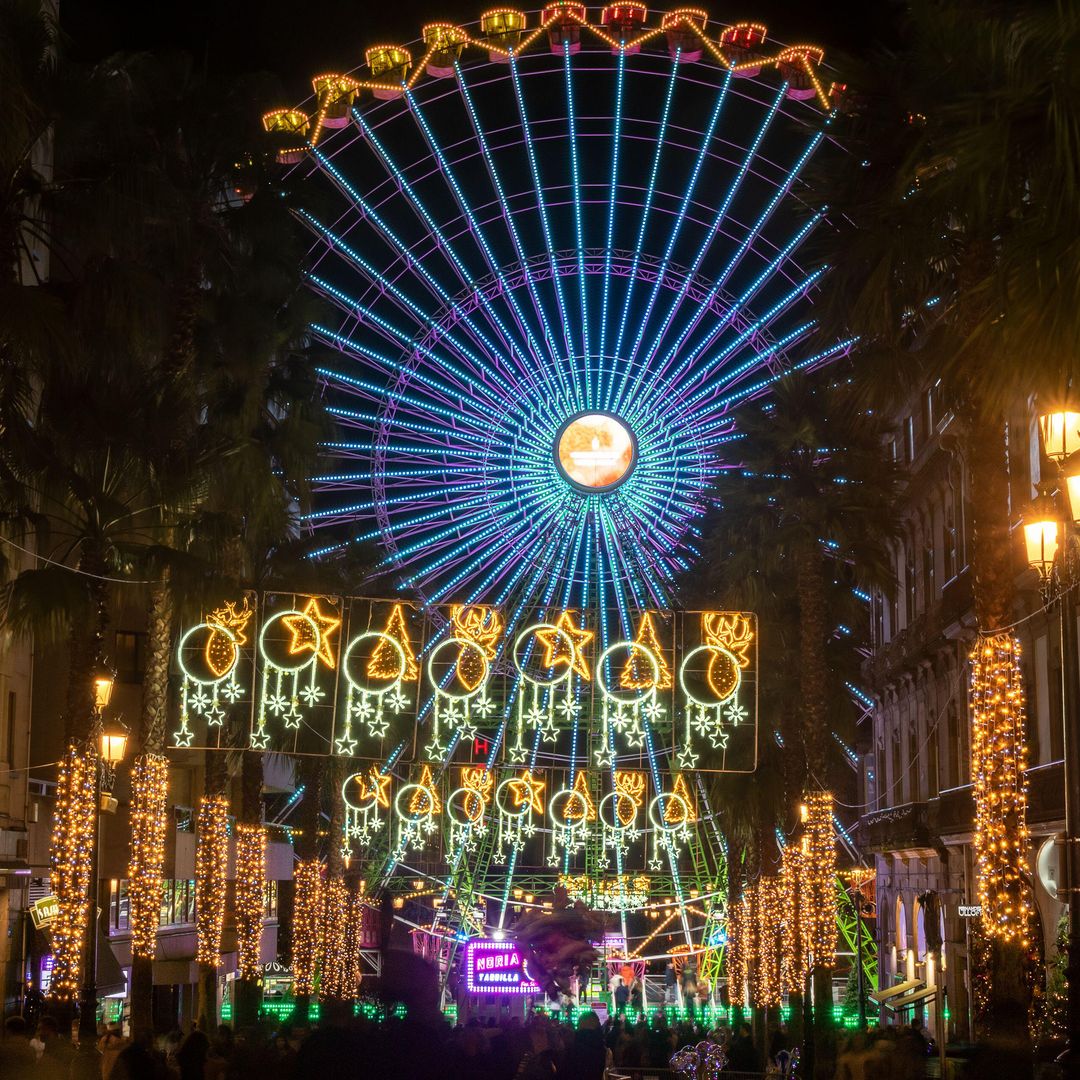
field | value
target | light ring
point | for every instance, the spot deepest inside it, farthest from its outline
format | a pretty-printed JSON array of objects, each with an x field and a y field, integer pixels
[
  {"x": 348, "y": 655},
  {"x": 408, "y": 815},
  {"x": 285, "y": 667},
  {"x": 470, "y": 819},
  {"x": 662, "y": 825},
  {"x": 614, "y": 797},
  {"x": 469, "y": 694},
  {"x": 213, "y": 629},
  {"x": 566, "y": 823},
  {"x": 515, "y": 811},
  {"x": 638, "y": 695},
  {"x": 565, "y": 676},
  {"x": 713, "y": 649}
]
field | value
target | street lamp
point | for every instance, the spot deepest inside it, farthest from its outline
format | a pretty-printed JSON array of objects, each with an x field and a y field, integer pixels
[
  {"x": 108, "y": 741},
  {"x": 1052, "y": 539}
]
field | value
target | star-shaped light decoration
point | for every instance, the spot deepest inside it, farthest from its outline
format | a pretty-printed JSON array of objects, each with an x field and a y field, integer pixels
[
  {"x": 603, "y": 758},
  {"x": 466, "y": 731},
  {"x": 346, "y": 745},
  {"x": 549, "y": 732},
  {"x": 568, "y": 647},
  {"x": 183, "y": 737},
  {"x": 687, "y": 758},
  {"x": 435, "y": 750},
  {"x": 313, "y": 633},
  {"x": 215, "y": 715},
  {"x": 377, "y": 726},
  {"x": 635, "y": 737},
  {"x": 293, "y": 717},
  {"x": 374, "y": 787},
  {"x": 260, "y": 739},
  {"x": 719, "y": 738},
  {"x": 518, "y": 754},
  {"x": 527, "y": 789}
]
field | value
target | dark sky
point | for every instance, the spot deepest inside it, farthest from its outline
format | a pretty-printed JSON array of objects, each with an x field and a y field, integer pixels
[{"x": 299, "y": 38}]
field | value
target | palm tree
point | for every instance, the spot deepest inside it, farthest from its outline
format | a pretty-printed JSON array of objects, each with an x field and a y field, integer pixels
[
  {"x": 962, "y": 186},
  {"x": 803, "y": 518}
]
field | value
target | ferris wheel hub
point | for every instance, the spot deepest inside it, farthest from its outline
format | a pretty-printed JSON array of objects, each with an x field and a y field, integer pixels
[{"x": 595, "y": 451}]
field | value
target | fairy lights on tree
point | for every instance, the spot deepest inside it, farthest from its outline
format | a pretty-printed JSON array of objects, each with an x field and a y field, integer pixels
[
  {"x": 250, "y": 890},
  {"x": 818, "y": 863},
  {"x": 337, "y": 967},
  {"x": 72, "y": 846},
  {"x": 308, "y": 925},
  {"x": 998, "y": 765},
  {"x": 149, "y": 813},
  {"x": 211, "y": 866}
]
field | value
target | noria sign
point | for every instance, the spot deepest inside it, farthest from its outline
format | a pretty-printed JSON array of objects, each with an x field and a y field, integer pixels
[{"x": 496, "y": 967}]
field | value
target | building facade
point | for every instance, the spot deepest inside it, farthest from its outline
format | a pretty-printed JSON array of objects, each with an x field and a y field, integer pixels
[{"x": 918, "y": 809}]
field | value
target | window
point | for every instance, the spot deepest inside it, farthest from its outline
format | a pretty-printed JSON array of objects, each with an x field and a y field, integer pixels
[
  {"x": 879, "y": 619},
  {"x": 129, "y": 655},
  {"x": 177, "y": 903},
  {"x": 936, "y": 409},
  {"x": 119, "y": 909},
  {"x": 895, "y": 794},
  {"x": 9, "y": 731},
  {"x": 912, "y": 763},
  {"x": 909, "y": 439},
  {"x": 952, "y": 773},
  {"x": 929, "y": 577},
  {"x": 911, "y": 592},
  {"x": 270, "y": 905},
  {"x": 950, "y": 551},
  {"x": 932, "y": 765}
]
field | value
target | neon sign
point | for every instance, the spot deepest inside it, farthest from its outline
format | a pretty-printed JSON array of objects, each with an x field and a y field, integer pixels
[{"x": 497, "y": 967}]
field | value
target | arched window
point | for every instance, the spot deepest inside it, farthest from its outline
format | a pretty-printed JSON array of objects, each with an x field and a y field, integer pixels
[{"x": 901, "y": 926}]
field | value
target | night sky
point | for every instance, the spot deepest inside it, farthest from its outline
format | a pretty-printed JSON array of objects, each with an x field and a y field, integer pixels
[{"x": 298, "y": 39}]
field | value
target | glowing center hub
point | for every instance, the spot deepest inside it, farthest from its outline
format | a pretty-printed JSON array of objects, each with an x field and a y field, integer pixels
[{"x": 595, "y": 451}]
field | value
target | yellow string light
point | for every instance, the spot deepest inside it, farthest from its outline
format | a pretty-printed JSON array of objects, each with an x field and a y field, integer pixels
[
  {"x": 766, "y": 913},
  {"x": 307, "y": 925},
  {"x": 211, "y": 866},
  {"x": 250, "y": 893},
  {"x": 149, "y": 813},
  {"x": 71, "y": 856},
  {"x": 819, "y": 880},
  {"x": 337, "y": 966},
  {"x": 999, "y": 768},
  {"x": 796, "y": 921}
]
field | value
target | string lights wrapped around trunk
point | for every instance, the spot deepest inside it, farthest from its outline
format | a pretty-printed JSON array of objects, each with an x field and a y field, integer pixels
[
  {"x": 72, "y": 848},
  {"x": 767, "y": 918},
  {"x": 796, "y": 916},
  {"x": 337, "y": 967},
  {"x": 999, "y": 768},
  {"x": 149, "y": 811},
  {"x": 307, "y": 925},
  {"x": 819, "y": 880},
  {"x": 737, "y": 950},
  {"x": 250, "y": 898},
  {"x": 211, "y": 866}
]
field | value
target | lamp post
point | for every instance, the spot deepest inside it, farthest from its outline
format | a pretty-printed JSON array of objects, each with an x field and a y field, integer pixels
[
  {"x": 108, "y": 740},
  {"x": 1052, "y": 540}
]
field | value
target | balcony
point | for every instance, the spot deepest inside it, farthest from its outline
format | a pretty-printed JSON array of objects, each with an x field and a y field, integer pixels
[{"x": 899, "y": 830}]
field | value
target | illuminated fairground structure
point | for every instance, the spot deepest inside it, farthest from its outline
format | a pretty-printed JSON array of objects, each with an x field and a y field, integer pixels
[{"x": 557, "y": 249}]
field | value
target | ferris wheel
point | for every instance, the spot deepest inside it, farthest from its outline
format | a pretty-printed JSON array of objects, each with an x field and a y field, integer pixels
[{"x": 560, "y": 249}]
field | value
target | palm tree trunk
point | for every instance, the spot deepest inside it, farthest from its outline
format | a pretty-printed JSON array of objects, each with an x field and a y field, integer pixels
[
  {"x": 150, "y": 805},
  {"x": 247, "y": 990},
  {"x": 813, "y": 669}
]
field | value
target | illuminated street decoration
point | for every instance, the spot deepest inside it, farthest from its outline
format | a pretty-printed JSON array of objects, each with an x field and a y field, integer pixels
[
  {"x": 638, "y": 672},
  {"x": 416, "y": 806},
  {"x": 210, "y": 656},
  {"x": 366, "y": 796},
  {"x": 497, "y": 967},
  {"x": 296, "y": 646},
  {"x": 618, "y": 811},
  {"x": 519, "y": 804},
  {"x": 367, "y": 702},
  {"x": 548, "y": 683},
  {"x": 671, "y": 813},
  {"x": 627, "y": 714},
  {"x": 467, "y": 808},
  {"x": 572, "y": 812},
  {"x": 393, "y": 658}
]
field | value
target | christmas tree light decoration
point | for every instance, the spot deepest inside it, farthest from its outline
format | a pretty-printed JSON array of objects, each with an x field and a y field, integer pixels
[
  {"x": 209, "y": 657},
  {"x": 74, "y": 825},
  {"x": 466, "y": 808},
  {"x": 250, "y": 898},
  {"x": 638, "y": 672},
  {"x": 285, "y": 664},
  {"x": 416, "y": 806},
  {"x": 365, "y": 794},
  {"x": 308, "y": 925},
  {"x": 819, "y": 877},
  {"x": 478, "y": 629},
  {"x": 366, "y": 703},
  {"x": 519, "y": 800},
  {"x": 211, "y": 866},
  {"x": 999, "y": 774},
  {"x": 337, "y": 967},
  {"x": 571, "y": 810},
  {"x": 671, "y": 814},
  {"x": 386, "y": 660},
  {"x": 627, "y": 713},
  {"x": 149, "y": 817}
]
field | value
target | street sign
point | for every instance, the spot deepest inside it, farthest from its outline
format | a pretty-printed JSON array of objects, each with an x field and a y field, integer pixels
[
  {"x": 44, "y": 912},
  {"x": 970, "y": 911}
]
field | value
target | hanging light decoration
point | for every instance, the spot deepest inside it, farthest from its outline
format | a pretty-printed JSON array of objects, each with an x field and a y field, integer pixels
[
  {"x": 211, "y": 866},
  {"x": 999, "y": 767},
  {"x": 149, "y": 810},
  {"x": 307, "y": 925},
  {"x": 250, "y": 893},
  {"x": 72, "y": 847},
  {"x": 819, "y": 880}
]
